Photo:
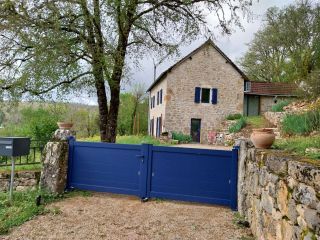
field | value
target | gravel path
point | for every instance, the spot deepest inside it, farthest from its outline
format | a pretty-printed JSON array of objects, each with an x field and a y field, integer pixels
[{"x": 107, "y": 216}]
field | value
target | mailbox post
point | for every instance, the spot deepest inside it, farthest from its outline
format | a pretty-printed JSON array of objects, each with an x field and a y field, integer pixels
[{"x": 14, "y": 147}]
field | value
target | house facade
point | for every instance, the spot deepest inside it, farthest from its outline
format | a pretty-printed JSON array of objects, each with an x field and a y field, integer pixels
[{"x": 196, "y": 94}]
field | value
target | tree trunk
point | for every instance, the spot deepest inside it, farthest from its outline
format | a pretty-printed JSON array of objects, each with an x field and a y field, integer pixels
[
  {"x": 102, "y": 104},
  {"x": 133, "y": 116},
  {"x": 113, "y": 113}
]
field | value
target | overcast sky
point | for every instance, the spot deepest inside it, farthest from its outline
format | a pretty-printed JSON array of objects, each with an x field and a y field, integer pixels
[{"x": 234, "y": 46}]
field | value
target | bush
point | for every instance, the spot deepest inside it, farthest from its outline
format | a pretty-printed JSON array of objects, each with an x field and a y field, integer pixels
[
  {"x": 234, "y": 116},
  {"x": 181, "y": 137},
  {"x": 301, "y": 124},
  {"x": 236, "y": 127},
  {"x": 280, "y": 105}
]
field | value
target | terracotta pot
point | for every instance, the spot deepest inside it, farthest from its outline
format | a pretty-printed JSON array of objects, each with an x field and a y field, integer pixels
[
  {"x": 262, "y": 137},
  {"x": 65, "y": 125}
]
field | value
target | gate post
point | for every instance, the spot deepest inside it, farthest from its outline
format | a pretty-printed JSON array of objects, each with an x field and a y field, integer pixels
[
  {"x": 234, "y": 179},
  {"x": 144, "y": 165}
]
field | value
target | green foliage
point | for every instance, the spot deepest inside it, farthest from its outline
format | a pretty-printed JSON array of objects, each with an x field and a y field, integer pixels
[
  {"x": 280, "y": 105},
  {"x": 128, "y": 139},
  {"x": 299, "y": 144},
  {"x": 131, "y": 120},
  {"x": 236, "y": 127},
  {"x": 256, "y": 121},
  {"x": 287, "y": 49},
  {"x": 39, "y": 123},
  {"x": 234, "y": 116},
  {"x": 301, "y": 124},
  {"x": 24, "y": 207},
  {"x": 181, "y": 137}
]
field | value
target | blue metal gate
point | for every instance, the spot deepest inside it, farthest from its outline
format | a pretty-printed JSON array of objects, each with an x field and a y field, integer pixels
[{"x": 148, "y": 171}]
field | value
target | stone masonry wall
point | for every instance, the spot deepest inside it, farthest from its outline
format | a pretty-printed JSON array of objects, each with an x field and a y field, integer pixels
[
  {"x": 23, "y": 180},
  {"x": 205, "y": 69},
  {"x": 279, "y": 194}
]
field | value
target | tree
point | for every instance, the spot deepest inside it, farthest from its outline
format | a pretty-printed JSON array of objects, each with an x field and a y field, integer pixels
[
  {"x": 287, "y": 49},
  {"x": 138, "y": 92},
  {"x": 62, "y": 45}
]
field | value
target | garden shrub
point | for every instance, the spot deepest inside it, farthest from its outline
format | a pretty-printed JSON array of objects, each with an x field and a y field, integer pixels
[
  {"x": 280, "y": 105},
  {"x": 181, "y": 137},
  {"x": 301, "y": 124},
  {"x": 234, "y": 116},
  {"x": 236, "y": 127}
]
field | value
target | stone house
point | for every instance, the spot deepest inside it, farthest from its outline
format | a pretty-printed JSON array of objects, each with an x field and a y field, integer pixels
[{"x": 196, "y": 94}]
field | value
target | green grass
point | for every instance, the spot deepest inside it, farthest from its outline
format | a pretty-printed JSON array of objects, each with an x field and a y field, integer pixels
[
  {"x": 24, "y": 207},
  {"x": 181, "y": 137},
  {"x": 31, "y": 167},
  {"x": 299, "y": 145},
  {"x": 301, "y": 124},
  {"x": 132, "y": 139},
  {"x": 256, "y": 121},
  {"x": 280, "y": 105},
  {"x": 236, "y": 127},
  {"x": 234, "y": 116}
]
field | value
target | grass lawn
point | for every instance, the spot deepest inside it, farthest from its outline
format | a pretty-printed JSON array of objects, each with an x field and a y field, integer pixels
[
  {"x": 299, "y": 144},
  {"x": 32, "y": 167},
  {"x": 132, "y": 139},
  {"x": 256, "y": 121},
  {"x": 24, "y": 207}
]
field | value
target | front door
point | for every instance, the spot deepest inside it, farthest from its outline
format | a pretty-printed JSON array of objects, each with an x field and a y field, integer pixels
[{"x": 195, "y": 129}]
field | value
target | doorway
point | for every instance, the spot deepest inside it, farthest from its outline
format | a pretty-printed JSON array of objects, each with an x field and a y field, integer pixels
[{"x": 195, "y": 129}]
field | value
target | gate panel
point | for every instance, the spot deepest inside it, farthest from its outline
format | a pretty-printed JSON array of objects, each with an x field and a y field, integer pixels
[
  {"x": 105, "y": 167},
  {"x": 192, "y": 174}
]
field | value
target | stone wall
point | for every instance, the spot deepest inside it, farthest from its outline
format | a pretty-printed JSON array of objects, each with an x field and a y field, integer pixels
[
  {"x": 275, "y": 118},
  {"x": 279, "y": 194},
  {"x": 23, "y": 180}
]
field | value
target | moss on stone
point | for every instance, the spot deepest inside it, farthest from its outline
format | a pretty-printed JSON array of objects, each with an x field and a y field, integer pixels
[{"x": 306, "y": 232}]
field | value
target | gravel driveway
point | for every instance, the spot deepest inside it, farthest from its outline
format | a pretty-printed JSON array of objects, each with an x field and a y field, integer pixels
[{"x": 107, "y": 216}]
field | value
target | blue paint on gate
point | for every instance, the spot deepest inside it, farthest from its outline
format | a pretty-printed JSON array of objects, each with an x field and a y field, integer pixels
[{"x": 148, "y": 171}]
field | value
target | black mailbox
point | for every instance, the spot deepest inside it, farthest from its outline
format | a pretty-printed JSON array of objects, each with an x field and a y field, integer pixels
[{"x": 14, "y": 146}]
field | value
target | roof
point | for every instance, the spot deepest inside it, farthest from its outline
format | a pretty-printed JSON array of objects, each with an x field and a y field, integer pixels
[
  {"x": 272, "y": 89},
  {"x": 208, "y": 42}
]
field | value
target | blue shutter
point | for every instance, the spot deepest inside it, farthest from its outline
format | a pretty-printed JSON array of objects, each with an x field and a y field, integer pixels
[
  {"x": 161, "y": 96},
  {"x": 158, "y": 98},
  {"x": 197, "y": 95},
  {"x": 214, "y": 98}
]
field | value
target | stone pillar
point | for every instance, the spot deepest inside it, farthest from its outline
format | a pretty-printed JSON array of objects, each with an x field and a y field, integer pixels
[
  {"x": 244, "y": 146},
  {"x": 55, "y": 162}
]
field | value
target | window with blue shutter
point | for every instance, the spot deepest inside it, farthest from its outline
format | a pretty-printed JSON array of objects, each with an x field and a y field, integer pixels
[
  {"x": 161, "y": 96},
  {"x": 154, "y": 101},
  {"x": 197, "y": 95},
  {"x": 214, "y": 97},
  {"x": 158, "y": 98}
]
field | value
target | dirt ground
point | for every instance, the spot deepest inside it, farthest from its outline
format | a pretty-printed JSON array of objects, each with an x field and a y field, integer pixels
[{"x": 107, "y": 216}]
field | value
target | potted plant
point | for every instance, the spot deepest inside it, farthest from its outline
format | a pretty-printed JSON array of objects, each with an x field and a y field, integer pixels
[
  {"x": 65, "y": 125},
  {"x": 262, "y": 137}
]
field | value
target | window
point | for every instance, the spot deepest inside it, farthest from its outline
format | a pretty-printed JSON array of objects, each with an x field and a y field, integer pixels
[
  {"x": 153, "y": 101},
  {"x": 205, "y": 95},
  {"x": 158, "y": 95},
  {"x": 247, "y": 86},
  {"x": 161, "y": 96}
]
